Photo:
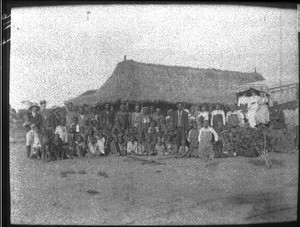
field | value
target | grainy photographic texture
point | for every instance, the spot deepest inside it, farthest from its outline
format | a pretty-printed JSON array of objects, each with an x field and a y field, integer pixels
[{"x": 153, "y": 114}]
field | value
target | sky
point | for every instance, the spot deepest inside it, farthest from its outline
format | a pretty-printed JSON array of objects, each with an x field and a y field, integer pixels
[{"x": 58, "y": 53}]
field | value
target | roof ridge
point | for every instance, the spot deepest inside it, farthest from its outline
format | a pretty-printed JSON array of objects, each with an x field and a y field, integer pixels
[{"x": 185, "y": 67}]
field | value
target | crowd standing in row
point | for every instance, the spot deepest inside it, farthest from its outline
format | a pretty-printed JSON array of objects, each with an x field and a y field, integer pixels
[{"x": 196, "y": 132}]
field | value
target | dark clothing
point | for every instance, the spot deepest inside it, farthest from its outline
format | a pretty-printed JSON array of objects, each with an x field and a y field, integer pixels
[
  {"x": 184, "y": 120},
  {"x": 54, "y": 120},
  {"x": 106, "y": 116},
  {"x": 123, "y": 119},
  {"x": 277, "y": 117},
  {"x": 37, "y": 120}
]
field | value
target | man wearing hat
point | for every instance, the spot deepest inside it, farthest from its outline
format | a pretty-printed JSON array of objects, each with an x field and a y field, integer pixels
[
  {"x": 34, "y": 121},
  {"x": 180, "y": 124},
  {"x": 106, "y": 115},
  {"x": 70, "y": 114},
  {"x": 46, "y": 113}
]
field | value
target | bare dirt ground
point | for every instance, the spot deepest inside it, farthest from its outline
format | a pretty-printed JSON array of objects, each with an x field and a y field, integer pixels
[{"x": 120, "y": 190}]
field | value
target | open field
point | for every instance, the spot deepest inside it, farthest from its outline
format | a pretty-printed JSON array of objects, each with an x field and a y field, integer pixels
[{"x": 120, "y": 190}]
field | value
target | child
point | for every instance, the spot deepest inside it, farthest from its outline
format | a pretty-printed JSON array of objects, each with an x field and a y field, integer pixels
[
  {"x": 170, "y": 146},
  {"x": 80, "y": 146},
  {"x": 121, "y": 144},
  {"x": 59, "y": 147},
  {"x": 94, "y": 125},
  {"x": 153, "y": 128},
  {"x": 193, "y": 139},
  {"x": 147, "y": 145},
  {"x": 93, "y": 148},
  {"x": 205, "y": 141},
  {"x": 61, "y": 130},
  {"x": 101, "y": 142},
  {"x": 153, "y": 146},
  {"x": 71, "y": 141},
  {"x": 183, "y": 150},
  {"x": 202, "y": 116},
  {"x": 160, "y": 147},
  {"x": 132, "y": 145},
  {"x": 140, "y": 146},
  {"x": 32, "y": 138}
]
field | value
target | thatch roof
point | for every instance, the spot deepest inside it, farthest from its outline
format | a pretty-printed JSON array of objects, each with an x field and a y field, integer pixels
[{"x": 135, "y": 81}]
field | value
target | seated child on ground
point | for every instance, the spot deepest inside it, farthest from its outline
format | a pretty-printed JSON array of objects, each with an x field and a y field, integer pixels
[
  {"x": 59, "y": 147},
  {"x": 160, "y": 147},
  {"x": 80, "y": 146},
  {"x": 183, "y": 150},
  {"x": 132, "y": 145},
  {"x": 171, "y": 147},
  {"x": 93, "y": 147},
  {"x": 121, "y": 147},
  {"x": 101, "y": 142},
  {"x": 140, "y": 145}
]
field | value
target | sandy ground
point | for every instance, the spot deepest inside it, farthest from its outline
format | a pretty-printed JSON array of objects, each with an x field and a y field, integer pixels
[{"x": 120, "y": 190}]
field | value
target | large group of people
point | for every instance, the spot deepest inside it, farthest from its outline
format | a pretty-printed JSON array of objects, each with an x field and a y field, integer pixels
[{"x": 195, "y": 132}]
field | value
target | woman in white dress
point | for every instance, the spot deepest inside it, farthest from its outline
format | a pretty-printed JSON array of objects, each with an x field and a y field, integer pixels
[
  {"x": 262, "y": 113},
  {"x": 252, "y": 108}
]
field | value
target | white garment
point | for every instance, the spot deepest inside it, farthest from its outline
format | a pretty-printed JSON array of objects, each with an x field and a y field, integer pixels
[
  {"x": 208, "y": 129},
  {"x": 242, "y": 117},
  {"x": 62, "y": 132},
  {"x": 131, "y": 147},
  {"x": 216, "y": 112},
  {"x": 252, "y": 108},
  {"x": 204, "y": 114},
  {"x": 33, "y": 139},
  {"x": 242, "y": 100},
  {"x": 101, "y": 142}
]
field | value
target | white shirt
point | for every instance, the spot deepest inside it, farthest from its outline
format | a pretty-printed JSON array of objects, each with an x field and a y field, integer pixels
[
  {"x": 216, "y": 112},
  {"x": 243, "y": 100},
  {"x": 204, "y": 114},
  {"x": 131, "y": 147},
  {"x": 62, "y": 132},
  {"x": 208, "y": 129},
  {"x": 253, "y": 102}
]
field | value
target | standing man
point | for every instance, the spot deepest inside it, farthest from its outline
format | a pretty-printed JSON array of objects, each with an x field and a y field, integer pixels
[
  {"x": 122, "y": 117},
  {"x": 46, "y": 114},
  {"x": 180, "y": 124},
  {"x": 82, "y": 116},
  {"x": 55, "y": 121},
  {"x": 71, "y": 113},
  {"x": 106, "y": 116}
]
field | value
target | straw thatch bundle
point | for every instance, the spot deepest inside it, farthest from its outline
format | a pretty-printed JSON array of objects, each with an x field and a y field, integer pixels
[{"x": 133, "y": 81}]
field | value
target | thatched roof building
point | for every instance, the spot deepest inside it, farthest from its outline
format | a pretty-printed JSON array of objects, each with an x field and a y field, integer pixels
[{"x": 134, "y": 81}]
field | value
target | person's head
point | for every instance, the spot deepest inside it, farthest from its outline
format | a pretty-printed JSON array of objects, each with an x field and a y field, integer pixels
[
  {"x": 70, "y": 106},
  {"x": 183, "y": 142},
  {"x": 93, "y": 139},
  {"x": 79, "y": 138},
  {"x": 203, "y": 108},
  {"x": 148, "y": 139},
  {"x": 151, "y": 109},
  {"x": 137, "y": 108},
  {"x": 63, "y": 121},
  {"x": 170, "y": 112},
  {"x": 131, "y": 138},
  {"x": 289, "y": 105},
  {"x": 284, "y": 130},
  {"x": 68, "y": 129},
  {"x": 205, "y": 124},
  {"x": 87, "y": 123},
  {"x": 94, "y": 122},
  {"x": 252, "y": 92},
  {"x": 194, "y": 124},
  {"x": 73, "y": 128},
  {"x": 275, "y": 103},
  {"x": 43, "y": 104},
  {"x": 131, "y": 130},
  {"x": 158, "y": 111},
  {"x": 107, "y": 106},
  {"x": 122, "y": 107},
  {"x": 180, "y": 106},
  {"x": 217, "y": 106},
  {"x": 145, "y": 110},
  {"x": 120, "y": 137},
  {"x": 81, "y": 110},
  {"x": 75, "y": 120},
  {"x": 261, "y": 94},
  {"x": 100, "y": 134},
  {"x": 155, "y": 139},
  {"x": 91, "y": 131},
  {"x": 94, "y": 109},
  {"x": 160, "y": 134},
  {"x": 192, "y": 109},
  {"x": 34, "y": 109}
]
